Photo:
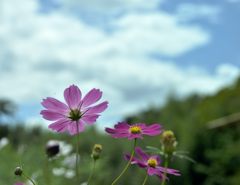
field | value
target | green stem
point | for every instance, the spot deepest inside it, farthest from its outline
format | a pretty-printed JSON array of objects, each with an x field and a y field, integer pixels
[
  {"x": 28, "y": 178},
  {"x": 128, "y": 164},
  {"x": 47, "y": 172},
  {"x": 145, "y": 180},
  {"x": 165, "y": 172},
  {"x": 77, "y": 153},
  {"x": 92, "y": 172}
]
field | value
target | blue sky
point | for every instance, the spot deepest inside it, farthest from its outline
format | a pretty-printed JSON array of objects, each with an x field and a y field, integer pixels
[
  {"x": 136, "y": 51},
  {"x": 224, "y": 44}
]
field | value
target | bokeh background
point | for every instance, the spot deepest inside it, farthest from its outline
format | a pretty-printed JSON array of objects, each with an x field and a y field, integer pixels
[{"x": 173, "y": 62}]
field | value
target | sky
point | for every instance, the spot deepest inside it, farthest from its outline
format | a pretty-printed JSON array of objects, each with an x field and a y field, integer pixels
[{"x": 136, "y": 51}]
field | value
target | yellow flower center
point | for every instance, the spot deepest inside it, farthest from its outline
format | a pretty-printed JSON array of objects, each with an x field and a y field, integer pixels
[
  {"x": 135, "y": 129},
  {"x": 152, "y": 162}
]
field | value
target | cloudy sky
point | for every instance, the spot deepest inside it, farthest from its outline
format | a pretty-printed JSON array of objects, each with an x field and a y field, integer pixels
[{"x": 135, "y": 51}]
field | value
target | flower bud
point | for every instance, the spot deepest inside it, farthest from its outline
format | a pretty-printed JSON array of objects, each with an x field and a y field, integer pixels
[
  {"x": 169, "y": 142},
  {"x": 96, "y": 151},
  {"x": 52, "y": 148},
  {"x": 18, "y": 171}
]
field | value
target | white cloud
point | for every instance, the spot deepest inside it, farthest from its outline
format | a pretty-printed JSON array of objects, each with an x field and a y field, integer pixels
[
  {"x": 44, "y": 53},
  {"x": 157, "y": 33},
  {"x": 106, "y": 7},
  {"x": 190, "y": 11}
]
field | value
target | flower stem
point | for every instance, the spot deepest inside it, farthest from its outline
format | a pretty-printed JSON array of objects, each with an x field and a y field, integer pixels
[
  {"x": 47, "y": 172},
  {"x": 165, "y": 172},
  {"x": 28, "y": 178},
  {"x": 92, "y": 172},
  {"x": 128, "y": 164},
  {"x": 77, "y": 153},
  {"x": 145, "y": 180}
]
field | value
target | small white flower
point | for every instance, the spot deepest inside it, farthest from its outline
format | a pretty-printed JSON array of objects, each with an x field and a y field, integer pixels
[
  {"x": 3, "y": 142},
  {"x": 58, "y": 171},
  {"x": 70, "y": 161},
  {"x": 69, "y": 174},
  {"x": 65, "y": 149}
]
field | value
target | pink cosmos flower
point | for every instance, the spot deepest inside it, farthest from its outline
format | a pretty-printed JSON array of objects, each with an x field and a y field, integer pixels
[
  {"x": 18, "y": 183},
  {"x": 151, "y": 164},
  {"x": 77, "y": 111},
  {"x": 124, "y": 130}
]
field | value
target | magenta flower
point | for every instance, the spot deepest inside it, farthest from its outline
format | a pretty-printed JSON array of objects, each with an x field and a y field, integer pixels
[
  {"x": 151, "y": 164},
  {"x": 124, "y": 130},
  {"x": 77, "y": 111},
  {"x": 18, "y": 183}
]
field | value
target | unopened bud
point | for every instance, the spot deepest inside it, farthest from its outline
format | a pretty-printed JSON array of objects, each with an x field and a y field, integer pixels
[
  {"x": 168, "y": 141},
  {"x": 18, "y": 171},
  {"x": 96, "y": 151},
  {"x": 52, "y": 148}
]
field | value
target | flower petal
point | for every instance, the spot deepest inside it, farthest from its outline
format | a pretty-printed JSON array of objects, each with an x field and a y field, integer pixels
[
  {"x": 152, "y": 171},
  {"x": 157, "y": 159},
  {"x": 116, "y": 133},
  {"x": 121, "y": 130},
  {"x": 90, "y": 119},
  {"x": 152, "y": 130},
  {"x": 110, "y": 130},
  {"x": 91, "y": 97},
  {"x": 135, "y": 136},
  {"x": 51, "y": 115},
  {"x": 72, "y": 128},
  {"x": 122, "y": 126},
  {"x": 54, "y": 104},
  {"x": 97, "y": 109},
  {"x": 141, "y": 153},
  {"x": 135, "y": 161},
  {"x": 72, "y": 96},
  {"x": 169, "y": 171},
  {"x": 60, "y": 125}
]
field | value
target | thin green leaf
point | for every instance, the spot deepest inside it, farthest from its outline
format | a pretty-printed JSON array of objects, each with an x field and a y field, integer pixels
[
  {"x": 155, "y": 150},
  {"x": 185, "y": 157}
]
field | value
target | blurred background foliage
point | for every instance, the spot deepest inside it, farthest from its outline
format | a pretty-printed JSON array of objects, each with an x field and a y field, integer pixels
[{"x": 207, "y": 127}]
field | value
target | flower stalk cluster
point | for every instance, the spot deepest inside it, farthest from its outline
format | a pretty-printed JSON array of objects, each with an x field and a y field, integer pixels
[
  {"x": 152, "y": 164},
  {"x": 169, "y": 142},
  {"x": 77, "y": 112}
]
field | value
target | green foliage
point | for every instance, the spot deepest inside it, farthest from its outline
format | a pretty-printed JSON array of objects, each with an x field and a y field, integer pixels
[
  {"x": 218, "y": 157},
  {"x": 216, "y": 151}
]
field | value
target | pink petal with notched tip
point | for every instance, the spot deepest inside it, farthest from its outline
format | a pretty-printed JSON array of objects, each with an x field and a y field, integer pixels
[
  {"x": 169, "y": 171},
  {"x": 141, "y": 154},
  {"x": 122, "y": 125},
  {"x": 152, "y": 130},
  {"x": 90, "y": 119},
  {"x": 91, "y": 97},
  {"x": 60, "y": 125},
  {"x": 51, "y": 115},
  {"x": 154, "y": 127},
  {"x": 97, "y": 109},
  {"x": 110, "y": 130},
  {"x": 120, "y": 135},
  {"x": 54, "y": 104},
  {"x": 73, "y": 96},
  {"x": 135, "y": 161}
]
